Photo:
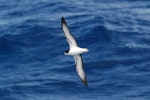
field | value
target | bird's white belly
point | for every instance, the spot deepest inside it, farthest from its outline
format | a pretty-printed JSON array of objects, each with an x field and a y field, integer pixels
[{"x": 77, "y": 51}]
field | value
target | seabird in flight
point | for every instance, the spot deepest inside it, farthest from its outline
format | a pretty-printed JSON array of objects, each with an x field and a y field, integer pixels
[{"x": 74, "y": 51}]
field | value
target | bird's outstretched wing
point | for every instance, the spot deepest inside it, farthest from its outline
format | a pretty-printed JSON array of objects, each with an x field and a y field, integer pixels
[
  {"x": 80, "y": 69},
  {"x": 67, "y": 34}
]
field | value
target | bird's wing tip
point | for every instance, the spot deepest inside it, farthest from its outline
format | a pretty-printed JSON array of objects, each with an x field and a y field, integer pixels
[
  {"x": 85, "y": 82},
  {"x": 62, "y": 17},
  {"x": 63, "y": 20}
]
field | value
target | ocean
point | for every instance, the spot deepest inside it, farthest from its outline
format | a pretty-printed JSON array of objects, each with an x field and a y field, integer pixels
[{"x": 32, "y": 44}]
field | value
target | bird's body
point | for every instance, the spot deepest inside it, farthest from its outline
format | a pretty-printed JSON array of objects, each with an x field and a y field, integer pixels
[{"x": 74, "y": 51}]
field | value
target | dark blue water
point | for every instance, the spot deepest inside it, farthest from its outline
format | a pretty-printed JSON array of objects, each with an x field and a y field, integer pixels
[{"x": 34, "y": 67}]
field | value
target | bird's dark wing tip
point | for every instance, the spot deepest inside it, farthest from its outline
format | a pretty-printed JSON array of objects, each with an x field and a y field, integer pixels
[
  {"x": 62, "y": 17},
  {"x": 63, "y": 20},
  {"x": 85, "y": 82}
]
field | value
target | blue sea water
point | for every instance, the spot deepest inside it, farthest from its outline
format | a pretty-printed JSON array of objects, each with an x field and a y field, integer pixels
[{"x": 34, "y": 67}]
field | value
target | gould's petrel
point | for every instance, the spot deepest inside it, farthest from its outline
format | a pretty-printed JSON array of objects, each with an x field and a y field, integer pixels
[{"x": 74, "y": 51}]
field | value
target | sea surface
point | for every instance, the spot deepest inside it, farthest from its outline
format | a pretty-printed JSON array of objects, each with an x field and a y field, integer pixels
[{"x": 32, "y": 44}]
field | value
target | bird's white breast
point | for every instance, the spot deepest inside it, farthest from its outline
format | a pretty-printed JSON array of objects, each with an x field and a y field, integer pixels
[{"x": 77, "y": 50}]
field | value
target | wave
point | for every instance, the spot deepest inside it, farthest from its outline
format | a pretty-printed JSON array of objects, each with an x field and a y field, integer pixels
[{"x": 33, "y": 65}]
